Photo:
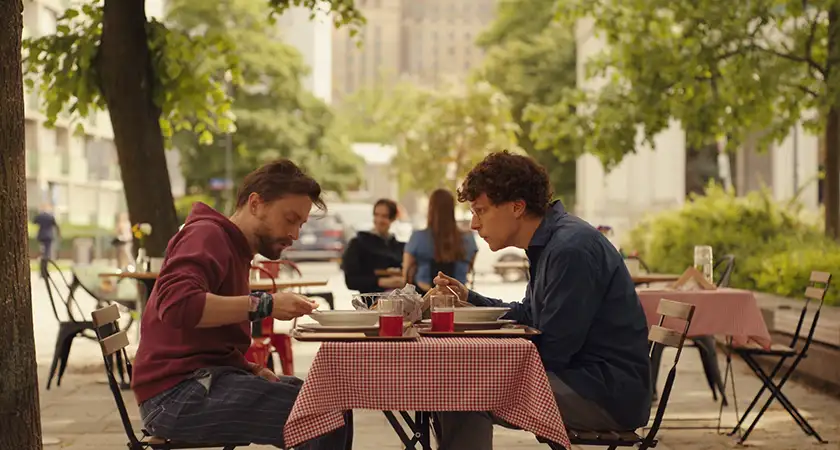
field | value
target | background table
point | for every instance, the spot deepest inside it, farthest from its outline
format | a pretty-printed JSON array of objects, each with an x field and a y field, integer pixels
[
  {"x": 727, "y": 312},
  {"x": 503, "y": 376}
]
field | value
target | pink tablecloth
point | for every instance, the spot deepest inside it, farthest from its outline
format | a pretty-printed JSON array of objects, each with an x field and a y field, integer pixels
[
  {"x": 724, "y": 312},
  {"x": 504, "y": 376}
]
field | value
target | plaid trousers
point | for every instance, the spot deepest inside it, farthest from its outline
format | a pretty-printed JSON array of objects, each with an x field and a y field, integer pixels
[{"x": 228, "y": 405}]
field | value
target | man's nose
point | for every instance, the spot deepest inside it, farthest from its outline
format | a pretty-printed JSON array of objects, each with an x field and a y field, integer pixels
[
  {"x": 474, "y": 224},
  {"x": 295, "y": 234}
]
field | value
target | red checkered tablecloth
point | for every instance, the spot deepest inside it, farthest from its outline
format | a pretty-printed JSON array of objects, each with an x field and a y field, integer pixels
[{"x": 503, "y": 376}]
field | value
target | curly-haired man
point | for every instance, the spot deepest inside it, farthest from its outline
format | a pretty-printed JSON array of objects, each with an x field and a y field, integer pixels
[{"x": 580, "y": 295}]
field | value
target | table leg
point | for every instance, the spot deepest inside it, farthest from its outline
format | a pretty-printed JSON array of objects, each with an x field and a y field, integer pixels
[{"x": 418, "y": 427}]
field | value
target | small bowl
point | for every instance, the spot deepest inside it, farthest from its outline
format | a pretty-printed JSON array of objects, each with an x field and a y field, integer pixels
[
  {"x": 480, "y": 314},
  {"x": 346, "y": 318}
]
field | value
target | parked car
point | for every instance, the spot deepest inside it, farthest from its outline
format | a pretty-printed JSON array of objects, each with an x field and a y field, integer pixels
[{"x": 322, "y": 238}]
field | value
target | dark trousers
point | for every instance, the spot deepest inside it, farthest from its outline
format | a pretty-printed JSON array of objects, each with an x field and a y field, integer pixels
[{"x": 225, "y": 404}]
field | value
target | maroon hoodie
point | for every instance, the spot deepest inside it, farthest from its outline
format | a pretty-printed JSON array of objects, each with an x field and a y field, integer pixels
[{"x": 210, "y": 254}]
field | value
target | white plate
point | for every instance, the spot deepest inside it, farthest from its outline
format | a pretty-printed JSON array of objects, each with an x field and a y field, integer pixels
[
  {"x": 319, "y": 327},
  {"x": 346, "y": 318},
  {"x": 479, "y": 314}
]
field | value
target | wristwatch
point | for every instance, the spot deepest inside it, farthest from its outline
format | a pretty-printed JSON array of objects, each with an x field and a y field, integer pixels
[{"x": 262, "y": 304}]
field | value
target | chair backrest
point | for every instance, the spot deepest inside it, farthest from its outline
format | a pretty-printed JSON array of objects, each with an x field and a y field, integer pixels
[
  {"x": 659, "y": 335},
  {"x": 113, "y": 341},
  {"x": 60, "y": 292},
  {"x": 728, "y": 263},
  {"x": 817, "y": 287}
]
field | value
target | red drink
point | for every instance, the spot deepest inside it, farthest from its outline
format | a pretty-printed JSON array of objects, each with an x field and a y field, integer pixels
[
  {"x": 391, "y": 325},
  {"x": 443, "y": 320}
]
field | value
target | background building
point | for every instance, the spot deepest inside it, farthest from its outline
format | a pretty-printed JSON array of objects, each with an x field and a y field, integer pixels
[{"x": 428, "y": 41}]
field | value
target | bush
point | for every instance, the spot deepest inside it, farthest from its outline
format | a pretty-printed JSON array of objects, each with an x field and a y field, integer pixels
[{"x": 775, "y": 249}]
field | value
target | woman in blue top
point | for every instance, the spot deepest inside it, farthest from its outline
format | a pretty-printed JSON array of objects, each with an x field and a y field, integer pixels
[{"x": 442, "y": 246}]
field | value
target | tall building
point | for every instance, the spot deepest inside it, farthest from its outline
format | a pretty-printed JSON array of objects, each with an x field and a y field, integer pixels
[
  {"x": 78, "y": 174},
  {"x": 311, "y": 35},
  {"x": 429, "y": 41}
]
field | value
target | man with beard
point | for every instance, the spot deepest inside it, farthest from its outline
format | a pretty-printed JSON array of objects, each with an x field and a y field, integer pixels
[{"x": 191, "y": 379}]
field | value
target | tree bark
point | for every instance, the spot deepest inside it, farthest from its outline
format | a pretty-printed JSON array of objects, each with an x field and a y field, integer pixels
[
  {"x": 20, "y": 420},
  {"x": 124, "y": 65}
]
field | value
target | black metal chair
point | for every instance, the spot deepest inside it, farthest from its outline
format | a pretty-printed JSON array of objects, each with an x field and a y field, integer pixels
[
  {"x": 782, "y": 354},
  {"x": 113, "y": 341},
  {"x": 706, "y": 345},
  {"x": 71, "y": 326},
  {"x": 659, "y": 337}
]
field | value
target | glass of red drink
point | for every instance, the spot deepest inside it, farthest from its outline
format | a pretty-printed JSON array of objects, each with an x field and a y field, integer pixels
[
  {"x": 390, "y": 316},
  {"x": 443, "y": 312}
]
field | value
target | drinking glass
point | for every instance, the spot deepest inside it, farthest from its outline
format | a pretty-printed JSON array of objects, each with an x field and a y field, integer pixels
[
  {"x": 704, "y": 261},
  {"x": 390, "y": 316},
  {"x": 443, "y": 312}
]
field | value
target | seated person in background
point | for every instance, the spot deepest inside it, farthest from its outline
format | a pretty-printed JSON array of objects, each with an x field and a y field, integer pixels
[
  {"x": 594, "y": 342},
  {"x": 441, "y": 247},
  {"x": 374, "y": 250},
  {"x": 191, "y": 379}
]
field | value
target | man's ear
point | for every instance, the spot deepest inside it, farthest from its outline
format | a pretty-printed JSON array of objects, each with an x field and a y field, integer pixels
[{"x": 519, "y": 208}]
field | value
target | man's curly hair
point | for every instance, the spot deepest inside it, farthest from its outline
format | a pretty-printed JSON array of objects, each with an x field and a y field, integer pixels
[{"x": 506, "y": 177}]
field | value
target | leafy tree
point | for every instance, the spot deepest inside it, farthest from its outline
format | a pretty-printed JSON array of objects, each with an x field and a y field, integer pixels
[
  {"x": 274, "y": 115},
  {"x": 20, "y": 420},
  {"x": 453, "y": 130},
  {"x": 380, "y": 114},
  {"x": 153, "y": 81},
  {"x": 738, "y": 69},
  {"x": 532, "y": 60}
]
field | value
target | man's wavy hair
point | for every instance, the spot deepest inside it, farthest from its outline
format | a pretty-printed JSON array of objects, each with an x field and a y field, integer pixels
[{"x": 507, "y": 177}]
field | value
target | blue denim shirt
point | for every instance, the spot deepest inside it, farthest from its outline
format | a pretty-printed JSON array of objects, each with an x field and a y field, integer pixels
[{"x": 594, "y": 331}]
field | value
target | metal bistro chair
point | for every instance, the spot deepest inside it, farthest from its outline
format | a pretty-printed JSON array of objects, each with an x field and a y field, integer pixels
[
  {"x": 782, "y": 353},
  {"x": 659, "y": 336},
  {"x": 69, "y": 328},
  {"x": 112, "y": 340}
]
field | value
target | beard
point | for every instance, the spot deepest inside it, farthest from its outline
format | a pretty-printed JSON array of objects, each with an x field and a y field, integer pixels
[{"x": 269, "y": 246}]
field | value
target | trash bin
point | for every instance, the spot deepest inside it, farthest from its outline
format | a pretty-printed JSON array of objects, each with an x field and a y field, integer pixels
[{"x": 83, "y": 250}]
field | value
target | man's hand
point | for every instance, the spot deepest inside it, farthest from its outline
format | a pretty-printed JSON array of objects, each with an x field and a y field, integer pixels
[
  {"x": 264, "y": 373},
  {"x": 393, "y": 282},
  {"x": 288, "y": 306},
  {"x": 442, "y": 281}
]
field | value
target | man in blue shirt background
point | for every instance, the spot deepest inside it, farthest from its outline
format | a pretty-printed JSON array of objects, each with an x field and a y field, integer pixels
[{"x": 580, "y": 295}]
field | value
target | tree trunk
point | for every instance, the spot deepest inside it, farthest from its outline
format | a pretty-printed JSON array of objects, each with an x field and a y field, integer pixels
[
  {"x": 125, "y": 68},
  {"x": 832, "y": 133},
  {"x": 20, "y": 420}
]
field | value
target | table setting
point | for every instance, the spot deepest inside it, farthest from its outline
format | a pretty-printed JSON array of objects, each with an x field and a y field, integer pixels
[{"x": 428, "y": 353}]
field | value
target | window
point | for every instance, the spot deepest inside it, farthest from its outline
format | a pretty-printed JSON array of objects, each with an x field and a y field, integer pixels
[
  {"x": 62, "y": 148},
  {"x": 31, "y": 145}
]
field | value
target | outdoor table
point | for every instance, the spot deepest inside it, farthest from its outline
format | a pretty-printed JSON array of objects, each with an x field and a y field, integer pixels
[
  {"x": 647, "y": 278},
  {"x": 502, "y": 376},
  {"x": 729, "y": 312}
]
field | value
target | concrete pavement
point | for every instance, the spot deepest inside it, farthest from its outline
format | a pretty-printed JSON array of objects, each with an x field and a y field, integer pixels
[{"x": 81, "y": 414}]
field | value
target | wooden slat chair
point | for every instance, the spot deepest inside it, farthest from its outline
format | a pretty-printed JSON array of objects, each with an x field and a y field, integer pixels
[
  {"x": 659, "y": 336},
  {"x": 112, "y": 340},
  {"x": 781, "y": 354}
]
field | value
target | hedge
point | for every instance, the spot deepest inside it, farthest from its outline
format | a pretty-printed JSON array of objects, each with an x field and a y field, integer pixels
[{"x": 775, "y": 246}]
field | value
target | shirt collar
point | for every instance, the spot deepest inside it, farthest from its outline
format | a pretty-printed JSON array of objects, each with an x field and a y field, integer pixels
[{"x": 556, "y": 210}]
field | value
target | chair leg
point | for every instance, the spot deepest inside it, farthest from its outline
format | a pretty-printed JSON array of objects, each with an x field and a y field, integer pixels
[
  {"x": 55, "y": 360},
  {"x": 776, "y": 393},
  {"x": 758, "y": 395},
  {"x": 65, "y": 356}
]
